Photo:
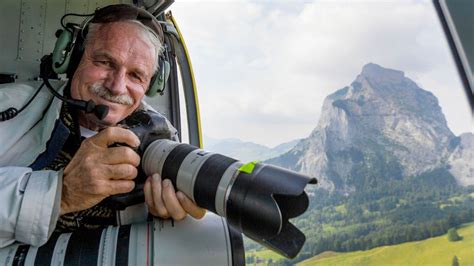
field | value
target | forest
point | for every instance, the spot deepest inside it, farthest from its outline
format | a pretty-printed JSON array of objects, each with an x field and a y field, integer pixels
[{"x": 392, "y": 212}]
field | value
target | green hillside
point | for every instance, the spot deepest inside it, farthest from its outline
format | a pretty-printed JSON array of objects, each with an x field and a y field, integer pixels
[{"x": 432, "y": 251}]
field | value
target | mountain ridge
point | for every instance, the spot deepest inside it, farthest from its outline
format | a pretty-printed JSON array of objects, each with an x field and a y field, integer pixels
[{"x": 247, "y": 151}]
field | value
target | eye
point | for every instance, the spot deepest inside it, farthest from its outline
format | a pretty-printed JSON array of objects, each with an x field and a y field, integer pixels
[
  {"x": 104, "y": 63},
  {"x": 136, "y": 76}
]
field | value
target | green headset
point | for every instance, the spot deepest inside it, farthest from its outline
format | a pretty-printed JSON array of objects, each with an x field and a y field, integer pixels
[{"x": 69, "y": 46}]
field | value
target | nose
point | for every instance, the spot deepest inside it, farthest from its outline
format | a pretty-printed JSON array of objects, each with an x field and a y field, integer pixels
[{"x": 116, "y": 82}]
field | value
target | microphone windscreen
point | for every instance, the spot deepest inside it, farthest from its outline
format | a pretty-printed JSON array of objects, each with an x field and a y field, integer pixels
[{"x": 101, "y": 111}]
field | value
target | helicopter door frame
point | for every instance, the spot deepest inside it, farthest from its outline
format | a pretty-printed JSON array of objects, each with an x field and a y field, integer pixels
[
  {"x": 453, "y": 15},
  {"x": 189, "y": 87}
]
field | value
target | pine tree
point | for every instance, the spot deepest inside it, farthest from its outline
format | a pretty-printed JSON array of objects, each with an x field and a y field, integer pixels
[
  {"x": 455, "y": 261},
  {"x": 453, "y": 235}
]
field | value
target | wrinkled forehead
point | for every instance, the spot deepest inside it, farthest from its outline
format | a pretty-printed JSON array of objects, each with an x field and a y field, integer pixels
[{"x": 122, "y": 42}]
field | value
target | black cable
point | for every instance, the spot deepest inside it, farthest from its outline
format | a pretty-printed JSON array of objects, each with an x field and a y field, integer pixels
[
  {"x": 8, "y": 114},
  {"x": 52, "y": 90},
  {"x": 12, "y": 111},
  {"x": 34, "y": 96},
  {"x": 100, "y": 110},
  {"x": 72, "y": 14}
]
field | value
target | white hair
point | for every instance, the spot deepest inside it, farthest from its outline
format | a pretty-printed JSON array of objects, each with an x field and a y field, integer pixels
[{"x": 145, "y": 32}]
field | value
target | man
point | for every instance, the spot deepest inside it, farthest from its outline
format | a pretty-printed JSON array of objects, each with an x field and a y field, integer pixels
[{"x": 49, "y": 178}]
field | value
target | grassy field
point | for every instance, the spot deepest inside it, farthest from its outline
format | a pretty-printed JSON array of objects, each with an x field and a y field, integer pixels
[{"x": 432, "y": 251}]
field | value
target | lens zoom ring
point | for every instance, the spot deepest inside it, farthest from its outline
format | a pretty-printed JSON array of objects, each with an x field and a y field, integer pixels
[
  {"x": 174, "y": 160},
  {"x": 208, "y": 178}
]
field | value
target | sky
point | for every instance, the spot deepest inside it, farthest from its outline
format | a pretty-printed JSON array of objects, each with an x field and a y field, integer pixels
[{"x": 263, "y": 68}]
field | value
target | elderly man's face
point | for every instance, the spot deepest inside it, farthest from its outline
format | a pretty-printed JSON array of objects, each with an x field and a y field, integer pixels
[{"x": 115, "y": 70}]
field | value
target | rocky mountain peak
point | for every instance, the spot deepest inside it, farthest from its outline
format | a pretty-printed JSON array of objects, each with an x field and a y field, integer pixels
[
  {"x": 382, "y": 125},
  {"x": 374, "y": 72}
]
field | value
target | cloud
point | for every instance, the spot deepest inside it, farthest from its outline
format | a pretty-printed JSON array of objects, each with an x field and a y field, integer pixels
[{"x": 261, "y": 62}]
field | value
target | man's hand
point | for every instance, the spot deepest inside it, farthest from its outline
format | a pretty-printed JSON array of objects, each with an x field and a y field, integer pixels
[
  {"x": 164, "y": 202},
  {"x": 97, "y": 171}
]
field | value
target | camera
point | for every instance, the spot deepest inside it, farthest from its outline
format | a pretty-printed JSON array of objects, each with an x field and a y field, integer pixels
[{"x": 256, "y": 199}]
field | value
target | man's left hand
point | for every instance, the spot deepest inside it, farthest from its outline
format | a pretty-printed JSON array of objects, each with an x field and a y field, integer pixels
[{"x": 164, "y": 202}]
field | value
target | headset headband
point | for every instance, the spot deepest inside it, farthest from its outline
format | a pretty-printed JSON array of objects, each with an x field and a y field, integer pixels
[{"x": 121, "y": 12}]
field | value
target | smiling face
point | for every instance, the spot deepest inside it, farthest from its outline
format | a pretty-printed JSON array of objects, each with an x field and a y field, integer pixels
[{"x": 115, "y": 70}]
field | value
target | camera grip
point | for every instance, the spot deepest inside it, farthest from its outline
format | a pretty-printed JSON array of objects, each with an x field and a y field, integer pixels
[{"x": 148, "y": 126}]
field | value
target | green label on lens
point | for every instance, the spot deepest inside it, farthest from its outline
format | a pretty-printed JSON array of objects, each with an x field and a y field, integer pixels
[{"x": 248, "y": 167}]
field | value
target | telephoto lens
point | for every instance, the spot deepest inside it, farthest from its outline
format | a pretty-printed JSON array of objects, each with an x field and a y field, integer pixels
[
  {"x": 159, "y": 242},
  {"x": 255, "y": 198}
]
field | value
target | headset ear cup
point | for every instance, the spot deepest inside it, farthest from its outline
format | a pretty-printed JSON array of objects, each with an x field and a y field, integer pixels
[
  {"x": 158, "y": 82},
  {"x": 75, "y": 56},
  {"x": 60, "y": 55}
]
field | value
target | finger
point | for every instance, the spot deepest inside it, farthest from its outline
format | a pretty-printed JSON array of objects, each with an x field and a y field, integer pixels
[
  {"x": 171, "y": 201},
  {"x": 189, "y": 206},
  {"x": 121, "y": 171},
  {"x": 120, "y": 186},
  {"x": 158, "y": 197},
  {"x": 149, "y": 197},
  {"x": 112, "y": 135},
  {"x": 123, "y": 154}
]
